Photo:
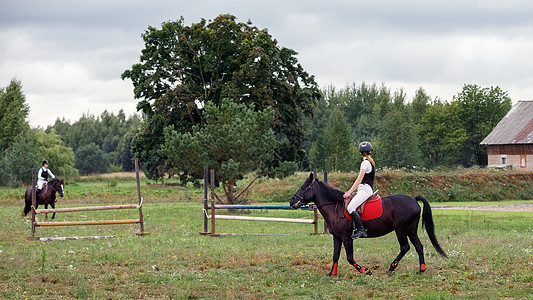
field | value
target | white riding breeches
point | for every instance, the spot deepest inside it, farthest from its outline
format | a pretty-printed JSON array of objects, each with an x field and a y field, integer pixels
[
  {"x": 40, "y": 184},
  {"x": 364, "y": 191}
]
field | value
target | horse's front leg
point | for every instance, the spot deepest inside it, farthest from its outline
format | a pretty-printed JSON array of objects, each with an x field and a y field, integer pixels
[
  {"x": 348, "y": 246},
  {"x": 337, "y": 244},
  {"x": 46, "y": 207}
]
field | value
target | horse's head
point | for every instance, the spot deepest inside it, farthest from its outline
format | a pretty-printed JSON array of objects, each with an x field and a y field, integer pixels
[
  {"x": 57, "y": 185},
  {"x": 305, "y": 194}
]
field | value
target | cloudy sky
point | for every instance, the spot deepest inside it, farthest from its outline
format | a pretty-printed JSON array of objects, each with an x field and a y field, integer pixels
[{"x": 69, "y": 55}]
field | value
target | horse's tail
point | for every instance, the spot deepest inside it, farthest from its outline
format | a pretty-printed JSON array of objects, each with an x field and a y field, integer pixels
[
  {"x": 27, "y": 209},
  {"x": 27, "y": 200},
  {"x": 427, "y": 220}
]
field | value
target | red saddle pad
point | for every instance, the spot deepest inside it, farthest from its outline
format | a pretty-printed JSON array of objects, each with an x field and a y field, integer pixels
[{"x": 373, "y": 209}]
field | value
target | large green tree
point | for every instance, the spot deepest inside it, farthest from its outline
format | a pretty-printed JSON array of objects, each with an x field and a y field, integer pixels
[
  {"x": 421, "y": 102},
  {"x": 364, "y": 105},
  {"x": 442, "y": 135},
  {"x": 334, "y": 149},
  {"x": 29, "y": 150},
  {"x": 16, "y": 141},
  {"x": 90, "y": 159},
  {"x": 18, "y": 160},
  {"x": 183, "y": 68},
  {"x": 398, "y": 141},
  {"x": 50, "y": 146},
  {"x": 13, "y": 113},
  {"x": 234, "y": 140},
  {"x": 480, "y": 110}
]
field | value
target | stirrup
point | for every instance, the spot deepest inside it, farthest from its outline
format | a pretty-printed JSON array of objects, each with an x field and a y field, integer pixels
[{"x": 359, "y": 234}]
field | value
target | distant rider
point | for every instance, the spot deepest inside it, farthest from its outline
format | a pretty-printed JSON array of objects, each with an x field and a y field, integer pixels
[
  {"x": 364, "y": 185},
  {"x": 42, "y": 176}
]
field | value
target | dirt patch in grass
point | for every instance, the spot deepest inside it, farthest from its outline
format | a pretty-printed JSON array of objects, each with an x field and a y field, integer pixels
[{"x": 490, "y": 207}]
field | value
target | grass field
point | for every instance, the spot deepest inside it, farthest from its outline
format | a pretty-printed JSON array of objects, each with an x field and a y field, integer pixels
[{"x": 490, "y": 254}]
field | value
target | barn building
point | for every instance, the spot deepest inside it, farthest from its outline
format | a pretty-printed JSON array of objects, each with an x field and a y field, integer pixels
[{"x": 510, "y": 144}]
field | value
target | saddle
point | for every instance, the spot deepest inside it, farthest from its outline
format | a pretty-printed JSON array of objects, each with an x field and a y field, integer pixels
[
  {"x": 373, "y": 210},
  {"x": 38, "y": 192}
]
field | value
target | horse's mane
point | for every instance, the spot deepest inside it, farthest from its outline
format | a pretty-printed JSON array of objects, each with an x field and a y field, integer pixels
[
  {"x": 54, "y": 180},
  {"x": 331, "y": 194}
]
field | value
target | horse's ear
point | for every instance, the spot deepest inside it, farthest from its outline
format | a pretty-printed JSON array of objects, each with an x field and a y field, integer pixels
[{"x": 312, "y": 176}]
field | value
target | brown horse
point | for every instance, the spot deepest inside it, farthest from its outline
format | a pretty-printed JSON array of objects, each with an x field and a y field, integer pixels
[
  {"x": 47, "y": 196},
  {"x": 401, "y": 214}
]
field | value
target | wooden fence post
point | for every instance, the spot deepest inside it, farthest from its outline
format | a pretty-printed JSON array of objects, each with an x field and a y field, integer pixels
[
  {"x": 141, "y": 221},
  {"x": 212, "y": 178},
  {"x": 206, "y": 199},
  {"x": 33, "y": 202}
]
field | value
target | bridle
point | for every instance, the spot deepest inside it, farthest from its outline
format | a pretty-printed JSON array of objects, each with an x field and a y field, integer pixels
[
  {"x": 52, "y": 187},
  {"x": 301, "y": 197}
]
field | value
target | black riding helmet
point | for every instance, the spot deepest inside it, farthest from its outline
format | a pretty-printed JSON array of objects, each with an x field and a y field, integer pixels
[
  {"x": 365, "y": 147},
  {"x": 45, "y": 162}
]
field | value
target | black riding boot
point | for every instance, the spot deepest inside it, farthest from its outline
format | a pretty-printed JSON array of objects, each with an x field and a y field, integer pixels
[{"x": 358, "y": 225}]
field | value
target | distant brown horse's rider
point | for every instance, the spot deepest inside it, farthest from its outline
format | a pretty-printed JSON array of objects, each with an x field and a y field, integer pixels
[{"x": 42, "y": 176}]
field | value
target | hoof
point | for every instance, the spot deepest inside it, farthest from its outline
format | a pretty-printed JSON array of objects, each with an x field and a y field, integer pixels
[
  {"x": 333, "y": 271},
  {"x": 368, "y": 272},
  {"x": 391, "y": 273},
  {"x": 422, "y": 269}
]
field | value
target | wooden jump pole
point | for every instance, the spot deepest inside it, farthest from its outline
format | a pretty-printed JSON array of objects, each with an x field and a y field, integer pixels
[
  {"x": 75, "y": 223},
  {"x": 86, "y": 208},
  {"x": 266, "y": 219}
]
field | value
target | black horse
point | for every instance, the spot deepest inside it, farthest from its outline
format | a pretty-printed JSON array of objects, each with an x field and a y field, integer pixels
[
  {"x": 401, "y": 214},
  {"x": 46, "y": 196}
]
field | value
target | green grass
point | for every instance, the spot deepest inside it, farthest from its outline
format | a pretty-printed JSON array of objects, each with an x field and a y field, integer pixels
[{"x": 490, "y": 254}]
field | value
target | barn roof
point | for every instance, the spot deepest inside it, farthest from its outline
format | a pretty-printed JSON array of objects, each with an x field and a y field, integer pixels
[{"x": 515, "y": 128}]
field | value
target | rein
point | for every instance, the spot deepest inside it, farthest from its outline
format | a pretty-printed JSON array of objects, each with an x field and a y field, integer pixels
[
  {"x": 49, "y": 185},
  {"x": 326, "y": 204},
  {"x": 301, "y": 197}
]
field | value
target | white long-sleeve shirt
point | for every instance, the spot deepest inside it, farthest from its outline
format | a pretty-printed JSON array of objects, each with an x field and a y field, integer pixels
[{"x": 42, "y": 178}]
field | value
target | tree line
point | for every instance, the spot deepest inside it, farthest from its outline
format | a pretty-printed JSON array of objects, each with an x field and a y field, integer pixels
[
  {"x": 93, "y": 144},
  {"x": 406, "y": 133}
]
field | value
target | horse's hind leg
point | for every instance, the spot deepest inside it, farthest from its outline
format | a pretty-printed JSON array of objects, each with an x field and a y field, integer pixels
[
  {"x": 348, "y": 246},
  {"x": 337, "y": 244},
  {"x": 53, "y": 205},
  {"x": 419, "y": 249},
  {"x": 404, "y": 247}
]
